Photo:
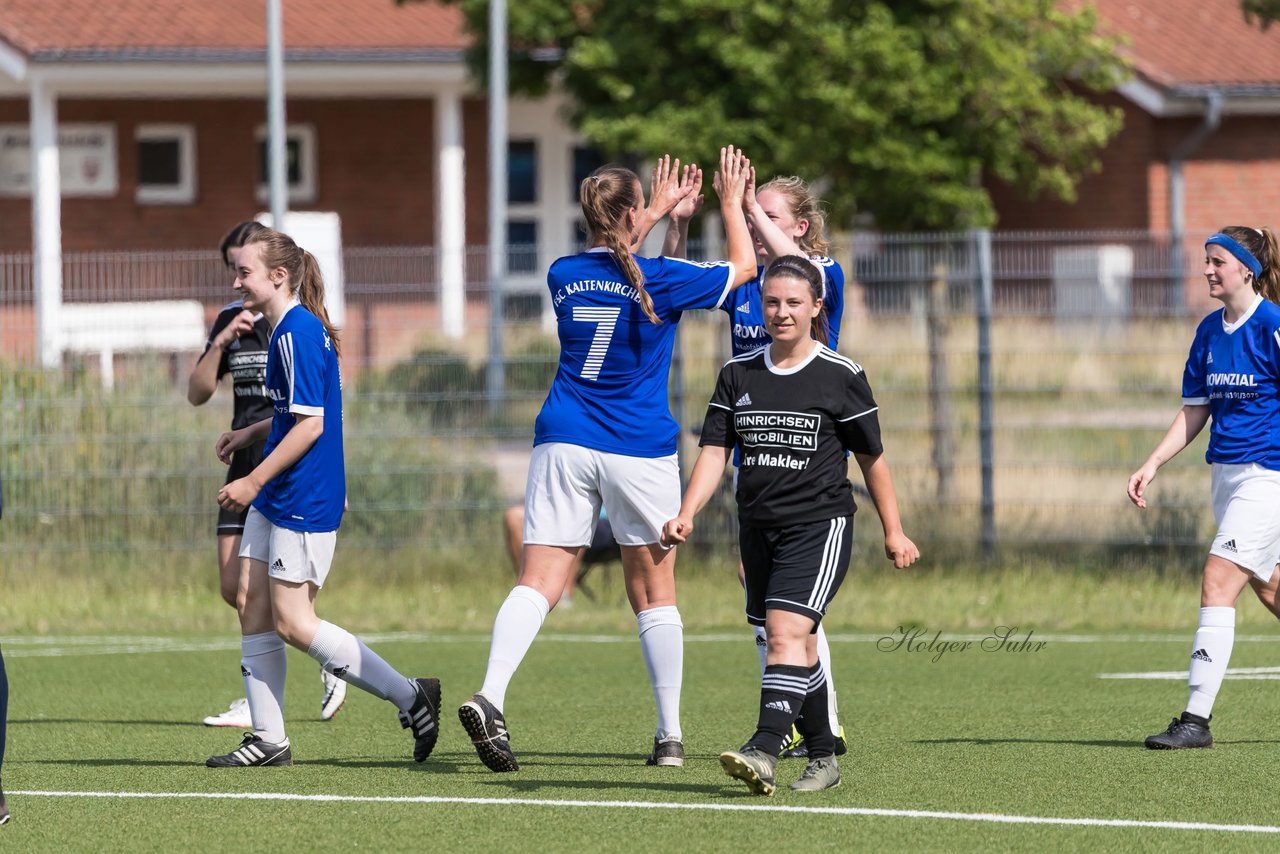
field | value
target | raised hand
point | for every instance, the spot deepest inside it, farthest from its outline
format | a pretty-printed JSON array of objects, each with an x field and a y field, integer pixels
[
  {"x": 666, "y": 188},
  {"x": 691, "y": 203},
  {"x": 731, "y": 178}
]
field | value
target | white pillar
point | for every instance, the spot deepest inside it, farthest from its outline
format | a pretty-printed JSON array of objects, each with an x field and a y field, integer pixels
[
  {"x": 451, "y": 212},
  {"x": 46, "y": 223}
]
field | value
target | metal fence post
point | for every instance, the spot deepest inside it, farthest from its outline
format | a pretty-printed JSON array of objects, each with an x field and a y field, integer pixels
[
  {"x": 495, "y": 373},
  {"x": 986, "y": 390}
]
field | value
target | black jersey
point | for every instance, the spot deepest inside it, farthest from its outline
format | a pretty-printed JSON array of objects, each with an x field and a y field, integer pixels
[
  {"x": 246, "y": 360},
  {"x": 792, "y": 427}
]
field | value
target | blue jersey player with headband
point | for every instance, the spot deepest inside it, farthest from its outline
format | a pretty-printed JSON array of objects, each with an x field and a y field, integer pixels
[
  {"x": 785, "y": 219},
  {"x": 605, "y": 436},
  {"x": 296, "y": 498},
  {"x": 1232, "y": 383}
]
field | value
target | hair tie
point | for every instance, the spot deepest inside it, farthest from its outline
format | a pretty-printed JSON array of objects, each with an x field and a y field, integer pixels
[{"x": 1244, "y": 256}]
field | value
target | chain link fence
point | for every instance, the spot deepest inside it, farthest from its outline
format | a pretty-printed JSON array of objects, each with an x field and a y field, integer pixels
[{"x": 1025, "y": 442}]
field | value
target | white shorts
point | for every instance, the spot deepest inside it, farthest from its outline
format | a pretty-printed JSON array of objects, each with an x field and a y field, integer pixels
[
  {"x": 1246, "y": 505},
  {"x": 568, "y": 483},
  {"x": 294, "y": 556}
]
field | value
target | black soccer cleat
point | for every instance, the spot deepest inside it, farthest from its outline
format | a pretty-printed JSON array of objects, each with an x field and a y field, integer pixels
[
  {"x": 253, "y": 752},
  {"x": 667, "y": 752},
  {"x": 488, "y": 730},
  {"x": 1187, "y": 731},
  {"x": 423, "y": 718}
]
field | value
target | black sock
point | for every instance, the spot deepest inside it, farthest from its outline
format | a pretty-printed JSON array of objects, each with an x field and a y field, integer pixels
[
  {"x": 815, "y": 721},
  {"x": 782, "y": 692}
]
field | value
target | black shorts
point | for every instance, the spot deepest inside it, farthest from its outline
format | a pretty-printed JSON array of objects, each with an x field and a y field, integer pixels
[
  {"x": 797, "y": 568},
  {"x": 243, "y": 461},
  {"x": 603, "y": 548}
]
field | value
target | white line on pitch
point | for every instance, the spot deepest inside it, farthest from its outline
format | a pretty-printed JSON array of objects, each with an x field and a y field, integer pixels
[
  {"x": 1257, "y": 673},
  {"x": 546, "y": 802},
  {"x": 71, "y": 645}
]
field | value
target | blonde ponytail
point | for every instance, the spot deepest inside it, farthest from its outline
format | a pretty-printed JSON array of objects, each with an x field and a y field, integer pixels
[{"x": 606, "y": 195}]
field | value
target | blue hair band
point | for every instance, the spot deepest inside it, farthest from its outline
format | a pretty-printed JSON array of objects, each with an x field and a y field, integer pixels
[{"x": 1244, "y": 256}]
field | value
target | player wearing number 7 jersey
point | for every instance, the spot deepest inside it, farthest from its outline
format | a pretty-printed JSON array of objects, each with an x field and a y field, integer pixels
[{"x": 606, "y": 437}]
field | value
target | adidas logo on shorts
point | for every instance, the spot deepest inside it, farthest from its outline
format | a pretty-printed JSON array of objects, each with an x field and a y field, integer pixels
[
  {"x": 1229, "y": 545},
  {"x": 745, "y": 400},
  {"x": 278, "y": 566},
  {"x": 1201, "y": 655}
]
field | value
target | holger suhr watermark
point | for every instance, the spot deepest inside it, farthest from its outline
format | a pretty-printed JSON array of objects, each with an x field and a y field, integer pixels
[{"x": 917, "y": 639}]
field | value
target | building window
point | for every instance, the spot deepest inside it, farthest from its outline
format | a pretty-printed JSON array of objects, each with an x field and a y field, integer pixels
[
  {"x": 522, "y": 172},
  {"x": 300, "y": 163},
  {"x": 585, "y": 161},
  {"x": 522, "y": 246},
  {"x": 166, "y": 164}
]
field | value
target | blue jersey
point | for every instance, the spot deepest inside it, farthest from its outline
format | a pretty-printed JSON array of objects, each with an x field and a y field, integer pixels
[
  {"x": 610, "y": 390},
  {"x": 303, "y": 379},
  {"x": 1235, "y": 370},
  {"x": 746, "y": 309}
]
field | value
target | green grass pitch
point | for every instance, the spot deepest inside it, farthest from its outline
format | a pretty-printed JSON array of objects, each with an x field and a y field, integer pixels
[{"x": 938, "y": 749}]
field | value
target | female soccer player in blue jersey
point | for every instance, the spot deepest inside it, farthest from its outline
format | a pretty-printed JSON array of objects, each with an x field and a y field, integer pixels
[
  {"x": 1232, "y": 382},
  {"x": 237, "y": 346},
  {"x": 605, "y": 437},
  {"x": 785, "y": 218},
  {"x": 297, "y": 496},
  {"x": 793, "y": 410}
]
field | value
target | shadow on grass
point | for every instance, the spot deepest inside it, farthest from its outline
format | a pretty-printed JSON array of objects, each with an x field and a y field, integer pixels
[
  {"x": 192, "y": 724},
  {"x": 525, "y": 785},
  {"x": 1135, "y": 744},
  {"x": 991, "y": 741},
  {"x": 431, "y": 766}
]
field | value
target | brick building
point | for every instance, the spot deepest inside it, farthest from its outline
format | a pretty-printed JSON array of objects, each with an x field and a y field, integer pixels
[
  {"x": 159, "y": 111},
  {"x": 1204, "y": 102}
]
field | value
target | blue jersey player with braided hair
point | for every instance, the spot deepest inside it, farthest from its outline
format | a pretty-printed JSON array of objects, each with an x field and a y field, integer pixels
[
  {"x": 605, "y": 436},
  {"x": 1231, "y": 382}
]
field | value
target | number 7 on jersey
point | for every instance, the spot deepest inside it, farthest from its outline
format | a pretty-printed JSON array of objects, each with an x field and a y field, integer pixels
[{"x": 605, "y": 320}]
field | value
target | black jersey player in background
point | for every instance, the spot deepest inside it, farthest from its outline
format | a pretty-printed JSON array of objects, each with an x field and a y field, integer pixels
[
  {"x": 793, "y": 409},
  {"x": 237, "y": 346}
]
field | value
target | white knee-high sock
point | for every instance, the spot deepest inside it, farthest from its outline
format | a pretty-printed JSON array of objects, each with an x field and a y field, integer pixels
[
  {"x": 824, "y": 657},
  {"x": 762, "y": 647},
  {"x": 345, "y": 656},
  {"x": 517, "y": 624},
  {"x": 262, "y": 663},
  {"x": 1209, "y": 656},
  {"x": 662, "y": 642}
]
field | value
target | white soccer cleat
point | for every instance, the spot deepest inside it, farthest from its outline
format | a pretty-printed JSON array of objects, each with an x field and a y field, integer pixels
[
  {"x": 236, "y": 716},
  {"x": 335, "y": 694}
]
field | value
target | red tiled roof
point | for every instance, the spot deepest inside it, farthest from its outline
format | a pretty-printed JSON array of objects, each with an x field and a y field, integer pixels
[
  {"x": 1194, "y": 42},
  {"x": 37, "y": 27}
]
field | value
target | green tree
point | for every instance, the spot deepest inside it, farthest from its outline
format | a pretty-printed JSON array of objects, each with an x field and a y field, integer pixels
[
  {"x": 1267, "y": 12},
  {"x": 902, "y": 108}
]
